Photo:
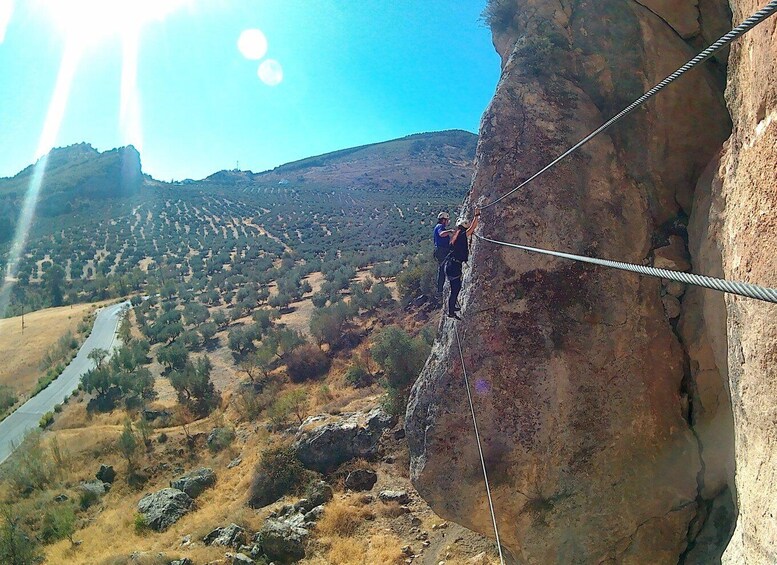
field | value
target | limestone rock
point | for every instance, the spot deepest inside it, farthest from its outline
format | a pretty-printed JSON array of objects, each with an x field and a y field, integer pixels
[
  {"x": 323, "y": 446},
  {"x": 164, "y": 508},
  {"x": 361, "y": 479},
  {"x": 671, "y": 306},
  {"x": 194, "y": 482},
  {"x": 239, "y": 559},
  {"x": 741, "y": 227},
  {"x": 96, "y": 488},
  {"x": 283, "y": 540},
  {"x": 106, "y": 473},
  {"x": 228, "y": 536},
  {"x": 682, "y": 15},
  {"x": 398, "y": 496},
  {"x": 673, "y": 256},
  {"x": 576, "y": 372}
]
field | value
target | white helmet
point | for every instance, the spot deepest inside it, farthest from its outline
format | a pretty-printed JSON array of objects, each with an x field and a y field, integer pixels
[
  {"x": 463, "y": 223},
  {"x": 443, "y": 216}
]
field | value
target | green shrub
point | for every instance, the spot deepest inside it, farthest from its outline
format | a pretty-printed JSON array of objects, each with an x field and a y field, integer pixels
[
  {"x": 220, "y": 438},
  {"x": 87, "y": 498},
  {"x": 358, "y": 377},
  {"x": 306, "y": 362},
  {"x": 58, "y": 522},
  {"x": 140, "y": 524},
  {"x": 278, "y": 473},
  {"x": 17, "y": 547},
  {"x": 46, "y": 420}
]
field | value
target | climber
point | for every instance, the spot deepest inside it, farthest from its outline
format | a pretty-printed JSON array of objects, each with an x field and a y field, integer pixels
[
  {"x": 442, "y": 247},
  {"x": 459, "y": 254}
]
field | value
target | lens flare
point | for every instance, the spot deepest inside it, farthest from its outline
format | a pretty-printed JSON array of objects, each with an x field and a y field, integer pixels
[
  {"x": 252, "y": 44},
  {"x": 54, "y": 116},
  {"x": 6, "y": 11},
  {"x": 270, "y": 72}
]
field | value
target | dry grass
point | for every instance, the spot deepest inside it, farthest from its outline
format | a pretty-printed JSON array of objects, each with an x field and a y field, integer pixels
[
  {"x": 22, "y": 353},
  {"x": 342, "y": 518},
  {"x": 391, "y": 510},
  {"x": 378, "y": 548}
]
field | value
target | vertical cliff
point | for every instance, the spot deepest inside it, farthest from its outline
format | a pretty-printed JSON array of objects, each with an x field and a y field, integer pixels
[
  {"x": 737, "y": 231},
  {"x": 604, "y": 398}
]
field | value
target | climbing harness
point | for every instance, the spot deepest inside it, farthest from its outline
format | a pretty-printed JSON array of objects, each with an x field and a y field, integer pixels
[
  {"x": 738, "y": 31},
  {"x": 480, "y": 447}
]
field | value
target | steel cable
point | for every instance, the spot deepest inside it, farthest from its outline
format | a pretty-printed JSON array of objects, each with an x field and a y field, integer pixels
[
  {"x": 480, "y": 448},
  {"x": 762, "y": 14},
  {"x": 748, "y": 290}
]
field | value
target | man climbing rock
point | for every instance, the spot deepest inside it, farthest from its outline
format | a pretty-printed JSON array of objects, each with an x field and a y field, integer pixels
[
  {"x": 441, "y": 247},
  {"x": 459, "y": 254}
]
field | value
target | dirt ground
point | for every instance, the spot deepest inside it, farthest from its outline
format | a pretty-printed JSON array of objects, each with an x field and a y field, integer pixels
[{"x": 22, "y": 352}]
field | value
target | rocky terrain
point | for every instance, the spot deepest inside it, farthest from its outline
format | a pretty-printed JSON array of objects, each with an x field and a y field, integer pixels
[{"x": 614, "y": 409}]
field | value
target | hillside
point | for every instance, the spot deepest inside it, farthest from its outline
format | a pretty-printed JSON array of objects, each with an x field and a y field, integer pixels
[
  {"x": 73, "y": 178},
  {"x": 233, "y": 221},
  {"x": 424, "y": 160},
  {"x": 267, "y": 306}
]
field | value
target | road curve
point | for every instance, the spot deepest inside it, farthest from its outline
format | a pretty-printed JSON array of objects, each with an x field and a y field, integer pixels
[{"x": 26, "y": 417}]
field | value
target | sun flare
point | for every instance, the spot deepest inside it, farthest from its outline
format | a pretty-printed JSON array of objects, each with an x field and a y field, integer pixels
[{"x": 88, "y": 21}]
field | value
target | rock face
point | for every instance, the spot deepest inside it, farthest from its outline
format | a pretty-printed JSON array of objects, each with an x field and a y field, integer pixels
[
  {"x": 284, "y": 534},
  {"x": 164, "y": 508},
  {"x": 361, "y": 479},
  {"x": 106, "y": 473},
  {"x": 739, "y": 230},
  {"x": 601, "y": 396},
  {"x": 323, "y": 446},
  {"x": 228, "y": 536},
  {"x": 194, "y": 482}
]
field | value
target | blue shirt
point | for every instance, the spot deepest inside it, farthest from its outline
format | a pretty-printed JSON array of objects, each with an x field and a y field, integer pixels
[{"x": 439, "y": 240}]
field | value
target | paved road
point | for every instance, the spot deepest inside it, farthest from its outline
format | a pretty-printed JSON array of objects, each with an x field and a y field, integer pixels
[{"x": 27, "y": 416}]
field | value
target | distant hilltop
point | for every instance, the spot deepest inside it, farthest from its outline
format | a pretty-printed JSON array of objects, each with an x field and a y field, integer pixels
[{"x": 435, "y": 159}]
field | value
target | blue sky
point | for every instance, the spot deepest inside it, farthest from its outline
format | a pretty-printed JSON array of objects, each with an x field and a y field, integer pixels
[{"x": 353, "y": 72}]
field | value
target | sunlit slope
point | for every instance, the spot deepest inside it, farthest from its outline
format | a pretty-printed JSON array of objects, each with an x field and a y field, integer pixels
[{"x": 438, "y": 159}]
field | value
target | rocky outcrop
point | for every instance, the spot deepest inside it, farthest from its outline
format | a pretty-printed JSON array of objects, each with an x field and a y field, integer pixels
[
  {"x": 164, "y": 508},
  {"x": 361, "y": 480},
  {"x": 323, "y": 442},
  {"x": 737, "y": 230},
  {"x": 600, "y": 395},
  {"x": 194, "y": 482},
  {"x": 228, "y": 536},
  {"x": 105, "y": 473},
  {"x": 284, "y": 534}
]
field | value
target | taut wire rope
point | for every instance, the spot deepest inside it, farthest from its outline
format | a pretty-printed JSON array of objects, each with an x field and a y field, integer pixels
[
  {"x": 480, "y": 447},
  {"x": 758, "y": 17}
]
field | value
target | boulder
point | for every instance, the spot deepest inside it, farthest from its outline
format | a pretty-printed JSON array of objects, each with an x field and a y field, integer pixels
[
  {"x": 98, "y": 488},
  {"x": 323, "y": 446},
  {"x": 361, "y": 479},
  {"x": 673, "y": 256},
  {"x": 285, "y": 532},
  {"x": 283, "y": 540},
  {"x": 228, "y": 536},
  {"x": 164, "y": 508},
  {"x": 398, "y": 496},
  {"x": 106, "y": 473},
  {"x": 194, "y": 482},
  {"x": 238, "y": 559},
  {"x": 183, "y": 561}
]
